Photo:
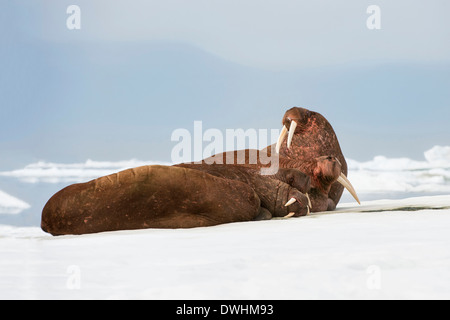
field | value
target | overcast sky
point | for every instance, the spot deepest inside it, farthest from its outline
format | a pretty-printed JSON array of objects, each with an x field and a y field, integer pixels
[
  {"x": 137, "y": 70},
  {"x": 264, "y": 34}
]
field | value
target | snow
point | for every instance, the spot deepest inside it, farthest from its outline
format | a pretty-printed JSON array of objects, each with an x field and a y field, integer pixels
[
  {"x": 384, "y": 249},
  {"x": 11, "y": 205},
  {"x": 401, "y": 252},
  {"x": 403, "y": 174}
]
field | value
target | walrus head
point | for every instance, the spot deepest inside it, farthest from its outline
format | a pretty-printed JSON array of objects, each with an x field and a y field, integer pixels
[
  {"x": 295, "y": 178},
  {"x": 318, "y": 138},
  {"x": 327, "y": 170},
  {"x": 299, "y": 204},
  {"x": 324, "y": 172},
  {"x": 295, "y": 120}
]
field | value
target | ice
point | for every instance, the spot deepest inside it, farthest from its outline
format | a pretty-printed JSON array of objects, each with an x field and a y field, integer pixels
[
  {"x": 48, "y": 172},
  {"x": 383, "y": 249},
  {"x": 384, "y": 175},
  {"x": 438, "y": 156},
  {"x": 380, "y": 175},
  {"x": 11, "y": 205},
  {"x": 385, "y": 254}
]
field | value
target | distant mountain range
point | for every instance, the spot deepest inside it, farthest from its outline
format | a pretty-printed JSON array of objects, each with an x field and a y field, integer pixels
[{"x": 68, "y": 102}]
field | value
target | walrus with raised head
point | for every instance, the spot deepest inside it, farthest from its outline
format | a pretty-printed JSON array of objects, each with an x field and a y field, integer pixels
[
  {"x": 171, "y": 197},
  {"x": 188, "y": 195},
  {"x": 306, "y": 135},
  {"x": 308, "y": 143}
]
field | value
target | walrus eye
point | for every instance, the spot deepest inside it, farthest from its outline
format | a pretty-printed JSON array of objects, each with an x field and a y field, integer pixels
[
  {"x": 290, "y": 179},
  {"x": 347, "y": 185}
]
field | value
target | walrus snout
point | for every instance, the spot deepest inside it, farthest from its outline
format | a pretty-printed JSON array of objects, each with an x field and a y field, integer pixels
[
  {"x": 331, "y": 170},
  {"x": 299, "y": 204},
  {"x": 328, "y": 168}
]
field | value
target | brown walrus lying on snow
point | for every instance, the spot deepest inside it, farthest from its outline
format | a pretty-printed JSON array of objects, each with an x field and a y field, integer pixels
[
  {"x": 174, "y": 197},
  {"x": 190, "y": 195}
]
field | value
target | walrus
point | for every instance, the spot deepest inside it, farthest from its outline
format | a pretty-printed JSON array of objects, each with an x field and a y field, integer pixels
[
  {"x": 323, "y": 172},
  {"x": 310, "y": 136},
  {"x": 168, "y": 197},
  {"x": 266, "y": 187}
]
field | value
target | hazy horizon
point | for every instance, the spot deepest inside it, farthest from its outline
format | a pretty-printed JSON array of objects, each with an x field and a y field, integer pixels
[{"x": 117, "y": 88}]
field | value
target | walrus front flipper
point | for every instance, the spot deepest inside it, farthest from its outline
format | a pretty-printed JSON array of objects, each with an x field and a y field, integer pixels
[
  {"x": 149, "y": 197},
  {"x": 264, "y": 214}
]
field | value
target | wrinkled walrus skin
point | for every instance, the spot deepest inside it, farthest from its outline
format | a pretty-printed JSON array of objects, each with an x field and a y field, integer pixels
[
  {"x": 322, "y": 172},
  {"x": 149, "y": 197},
  {"x": 273, "y": 191}
]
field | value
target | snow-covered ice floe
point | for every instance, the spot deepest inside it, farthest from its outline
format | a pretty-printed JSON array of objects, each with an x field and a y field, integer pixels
[
  {"x": 380, "y": 175},
  {"x": 49, "y": 172},
  {"x": 403, "y": 175},
  {"x": 387, "y": 249},
  {"x": 11, "y": 205}
]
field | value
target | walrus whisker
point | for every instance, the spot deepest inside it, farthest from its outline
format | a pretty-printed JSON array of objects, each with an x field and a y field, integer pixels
[
  {"x": 291, "y": 133},
  {"x": 291, "y": 201},
  {"x": 281, "y": 138},
  {"x": 347, "y": 185}
]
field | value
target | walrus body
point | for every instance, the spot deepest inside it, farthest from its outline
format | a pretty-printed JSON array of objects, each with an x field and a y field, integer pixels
[
  {"x": 183, "y": 196},
  {"x": 320, "y": 173},
  {"x": 273, "y": 191},
  {"x": 191, "y": 195},
  {"x": 149, "y": 197}
]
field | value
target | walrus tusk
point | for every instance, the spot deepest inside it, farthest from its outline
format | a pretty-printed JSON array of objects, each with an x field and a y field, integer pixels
[
  {"x": 346, "y": 183},
  {"x": 309, "y": 206},
  {"x": 290, "y": 202},
  {"x": 309, "y": 200},
  {"x": 281, "y": 138},
  {"x": 291, "y": 133},
  {"x": 290, "y": 214}
]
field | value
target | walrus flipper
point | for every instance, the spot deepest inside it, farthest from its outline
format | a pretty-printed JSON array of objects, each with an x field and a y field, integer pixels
[{"x": 264, "y": 214}]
